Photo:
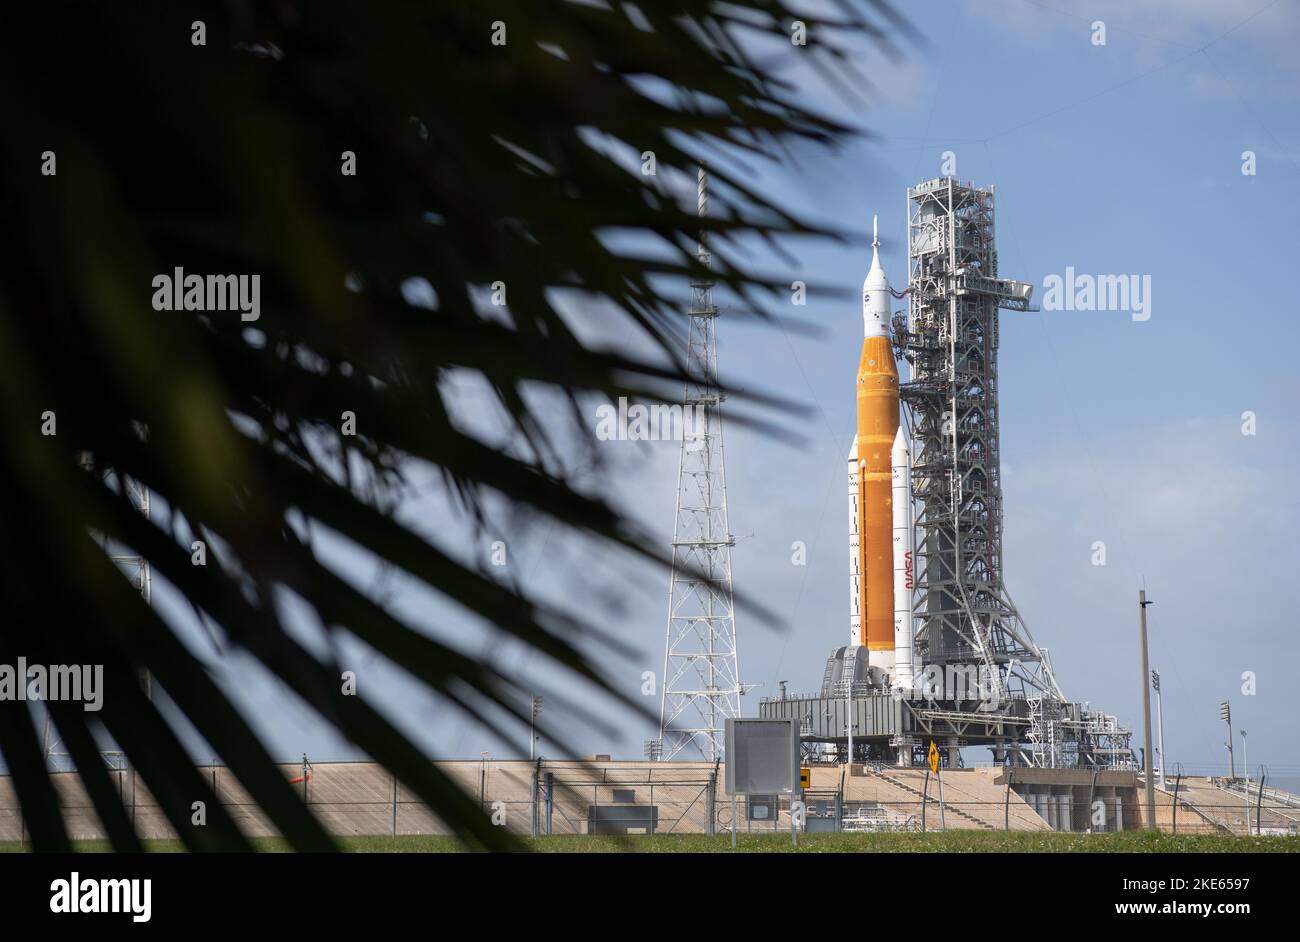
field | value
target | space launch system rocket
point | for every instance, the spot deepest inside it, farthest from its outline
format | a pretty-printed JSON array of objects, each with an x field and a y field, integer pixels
[{"x": 880, "y": 504}]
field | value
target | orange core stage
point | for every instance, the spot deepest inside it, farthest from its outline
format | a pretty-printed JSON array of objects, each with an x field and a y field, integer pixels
[{"x": 877, "y": 427}]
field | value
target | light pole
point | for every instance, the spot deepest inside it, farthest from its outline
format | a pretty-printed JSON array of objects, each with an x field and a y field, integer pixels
[
  {"x": 1160, "y": 725},
  {"x": 848, "y": 706},
  {"x": 1146, "y": 714},
  {"x": 532, "y": 729},
  {"x": 1225, "y": 714}
]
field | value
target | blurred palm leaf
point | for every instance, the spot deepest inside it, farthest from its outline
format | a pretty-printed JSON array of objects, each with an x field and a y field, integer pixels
[{"x": 476, "y": 164}]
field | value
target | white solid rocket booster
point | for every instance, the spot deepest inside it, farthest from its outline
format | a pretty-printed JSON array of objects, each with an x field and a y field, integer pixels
[
  {"x": 904, "y": 564},
  {"x": 855, "y": 574}
]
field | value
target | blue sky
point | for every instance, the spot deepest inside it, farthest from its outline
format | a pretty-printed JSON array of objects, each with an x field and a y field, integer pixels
[{"x": 1115, "y": 159}]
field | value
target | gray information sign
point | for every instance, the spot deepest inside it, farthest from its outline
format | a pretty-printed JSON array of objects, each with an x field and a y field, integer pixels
[{"x": 762, "y": 756}]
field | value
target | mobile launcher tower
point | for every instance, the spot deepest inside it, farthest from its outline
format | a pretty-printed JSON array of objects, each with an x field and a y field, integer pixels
[{"x": 957, "y": 667}]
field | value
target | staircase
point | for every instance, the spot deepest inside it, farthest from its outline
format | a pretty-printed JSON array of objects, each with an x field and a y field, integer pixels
[{"x": 948, "y": 809}]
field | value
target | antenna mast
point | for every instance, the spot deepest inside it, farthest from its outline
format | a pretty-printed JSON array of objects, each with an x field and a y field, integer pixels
[{"x": 701, "y": 679}]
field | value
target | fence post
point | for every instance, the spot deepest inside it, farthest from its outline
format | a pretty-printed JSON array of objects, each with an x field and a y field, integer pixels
[
  {"x": 121, "y": 791},
  {"x": 943, "y": 824},
  {"x": 1259, "y": 805},
  {"x": 536, "y": 786},
  {"x": 839, "y": 805},
  {"x": 1006, "y": 803},
  {"x": 710, "y": 803},
  {"x": 1177, "y": 782},
  {"x": 1092, "y": 790},
  {"x": 925, "y": 796},
  {"x": 550, "y": 801},
  {"x": 394, "y": 805}
]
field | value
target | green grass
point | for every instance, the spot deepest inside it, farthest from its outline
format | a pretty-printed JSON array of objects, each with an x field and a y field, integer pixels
[{"x": 934, "y": 842}]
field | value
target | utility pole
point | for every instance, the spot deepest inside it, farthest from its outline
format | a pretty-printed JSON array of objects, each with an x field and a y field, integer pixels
[
  {"x": 1146, "y": 715},
  {"x": 1245, "y": 768},
  {"x": 1160, "y": 725},
  {"x": 1225, "y": 714},
  {"x": 532, "y": 729}
]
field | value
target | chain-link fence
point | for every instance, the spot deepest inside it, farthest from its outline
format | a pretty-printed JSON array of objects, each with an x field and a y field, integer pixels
[{"x": 602, "y": 796}]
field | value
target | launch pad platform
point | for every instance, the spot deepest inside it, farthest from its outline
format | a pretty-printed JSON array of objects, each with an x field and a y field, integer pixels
[{"x": 891, "y": 728}]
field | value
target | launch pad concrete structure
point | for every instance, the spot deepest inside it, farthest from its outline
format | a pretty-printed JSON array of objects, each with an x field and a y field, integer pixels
[{"x": 965, "y": 670}]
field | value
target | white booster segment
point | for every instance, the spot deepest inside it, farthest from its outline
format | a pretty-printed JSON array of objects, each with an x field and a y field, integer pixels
[{"x": 855, "y": 575}]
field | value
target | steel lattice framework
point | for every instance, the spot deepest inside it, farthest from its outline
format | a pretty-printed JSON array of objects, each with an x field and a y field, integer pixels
[
  {"x": 701, "y": 685},
  {"x": 950, "y": 337}
]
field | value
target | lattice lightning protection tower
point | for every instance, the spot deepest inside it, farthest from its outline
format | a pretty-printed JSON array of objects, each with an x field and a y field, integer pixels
[{"x": 701, "y": 678}]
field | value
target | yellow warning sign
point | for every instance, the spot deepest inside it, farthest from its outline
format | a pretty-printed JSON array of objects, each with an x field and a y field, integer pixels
[
  {"x": 934, "y": 758},
  {"x": 805, "y": 778}
]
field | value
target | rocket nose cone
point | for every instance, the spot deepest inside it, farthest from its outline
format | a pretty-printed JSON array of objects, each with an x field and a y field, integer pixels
[
  {"x": 876, "y": 278},
  {"x": 875, "y": 294}
]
